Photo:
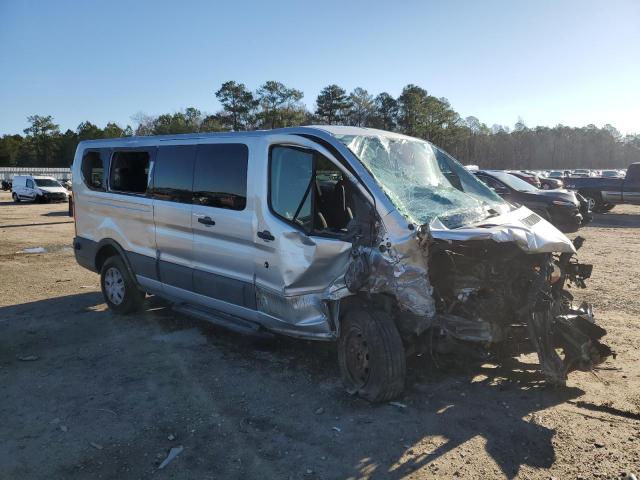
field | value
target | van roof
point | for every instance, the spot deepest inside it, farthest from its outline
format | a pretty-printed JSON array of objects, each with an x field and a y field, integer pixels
[{"x": 330, "y": 129}]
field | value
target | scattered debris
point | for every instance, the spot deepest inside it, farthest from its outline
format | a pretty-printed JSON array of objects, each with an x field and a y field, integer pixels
[
  {"x": 319, "y": 411},
  {"x": 35, "y": 250},
  {"x": 173, "y": 453},
  {"x": 64, "y": 428},
  {"x": 337, "y": 429},
  {"x": 95, "y": 445},
  {"x": 397, "y": 404},
  {"x": 171, "y": 437},
  {"x": 28, "y": 358}
]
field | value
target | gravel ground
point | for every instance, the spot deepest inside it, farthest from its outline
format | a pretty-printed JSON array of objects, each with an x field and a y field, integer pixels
[{"x": 89, "y": 394}]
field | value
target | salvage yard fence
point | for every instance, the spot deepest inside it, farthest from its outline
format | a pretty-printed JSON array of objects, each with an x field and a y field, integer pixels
[{"x": 7, "y": 173}]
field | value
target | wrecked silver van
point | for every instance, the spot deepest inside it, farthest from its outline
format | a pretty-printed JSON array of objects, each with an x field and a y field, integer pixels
[{"x": 376, "y": 240}]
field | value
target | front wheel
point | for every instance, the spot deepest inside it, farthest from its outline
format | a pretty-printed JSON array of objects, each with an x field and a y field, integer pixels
[
  {"x": 607, "y": 207},
  {"x": 119, "y": 290},
  {"x": 371, "y": 355},
  {"x": 15, "y": 197},
  {"x": 594, "y": 201}
]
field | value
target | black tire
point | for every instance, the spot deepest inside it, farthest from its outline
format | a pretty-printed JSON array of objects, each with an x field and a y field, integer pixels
[
  {"x": 126, "y": 298},
  {"x": 371, "y": 355},
  {"x": 15, "y": 197},
  {"x": 607, "y": 207},
  {"x": 594, "y": 201}
]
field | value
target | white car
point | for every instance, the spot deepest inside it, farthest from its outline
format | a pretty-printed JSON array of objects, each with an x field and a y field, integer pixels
[{"x": 37, "y": 188}]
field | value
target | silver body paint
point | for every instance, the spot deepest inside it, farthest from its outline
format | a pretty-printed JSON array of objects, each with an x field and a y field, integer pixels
[{"x": 293, "y": 284}]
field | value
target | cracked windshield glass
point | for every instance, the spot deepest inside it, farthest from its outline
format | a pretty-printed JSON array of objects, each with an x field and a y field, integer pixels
[{"x": 423, "y": 182}]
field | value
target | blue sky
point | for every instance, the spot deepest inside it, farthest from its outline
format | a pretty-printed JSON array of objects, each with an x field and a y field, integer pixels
[{"x": 550, "y": 62}]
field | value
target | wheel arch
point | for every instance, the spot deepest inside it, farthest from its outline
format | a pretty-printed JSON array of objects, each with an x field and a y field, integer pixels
[{"x": 108, "y": 247}]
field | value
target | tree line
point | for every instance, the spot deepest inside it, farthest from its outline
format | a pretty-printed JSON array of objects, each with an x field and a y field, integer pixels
[{"x": 414, "y": 112}]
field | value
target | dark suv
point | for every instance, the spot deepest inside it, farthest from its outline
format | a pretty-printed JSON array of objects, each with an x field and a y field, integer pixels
[{"x": 564, "y": 209}]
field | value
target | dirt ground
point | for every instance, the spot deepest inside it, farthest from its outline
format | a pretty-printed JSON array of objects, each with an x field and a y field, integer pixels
[{"x": 89, "y": 394}]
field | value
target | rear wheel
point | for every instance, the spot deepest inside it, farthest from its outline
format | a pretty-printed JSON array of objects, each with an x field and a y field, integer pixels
[
  {"x": 119, "y": 290},
  {"x": 371, "y": 355},
  {"x": 15, "y": 197}
]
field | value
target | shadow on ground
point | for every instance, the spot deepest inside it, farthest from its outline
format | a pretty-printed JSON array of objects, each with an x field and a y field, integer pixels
[{"x": 255, "y": 401}]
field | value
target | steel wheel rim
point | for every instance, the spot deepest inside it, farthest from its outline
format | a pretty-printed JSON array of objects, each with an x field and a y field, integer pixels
[
  {"x": 114, "y": 286},
  {"x": 590, "y": 203},
  {"x": 357, "y": 357}
]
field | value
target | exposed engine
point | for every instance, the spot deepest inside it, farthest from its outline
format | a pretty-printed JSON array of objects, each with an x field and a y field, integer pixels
[{"x": 511, "y": 302}]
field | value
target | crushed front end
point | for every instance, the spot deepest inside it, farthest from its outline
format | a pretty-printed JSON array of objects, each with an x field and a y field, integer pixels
[{"x": 510, "y": 302}]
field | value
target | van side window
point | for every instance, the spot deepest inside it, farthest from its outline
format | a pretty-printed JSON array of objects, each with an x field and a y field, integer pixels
[
  {"x": 290, "y": 183},
  {"x": 220, "y": 178},
  {"x": 307, "y": 189},
  {"x": 30, "y": 183},
  {"x": 173, "y": 173},
  {"x": 129, "y": 172},
  {"x": 93, "y": 170}
]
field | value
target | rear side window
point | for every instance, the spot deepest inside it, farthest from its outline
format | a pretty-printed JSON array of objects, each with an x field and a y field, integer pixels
[
  {"x": 93, "y": 168},
  {"x": 129, "y": 172},
  {"x": 173, "y": 173},
  {"x": 220, "y": 178}
]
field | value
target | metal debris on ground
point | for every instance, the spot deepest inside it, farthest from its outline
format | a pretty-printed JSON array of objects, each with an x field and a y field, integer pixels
[
  {"x": 35, "y": 250},
  {"x": 28, "y": 358},
  {"x": 95, "y": 445},
  {"x": 173, "y": 453},
  {"x": 397, "y": 404}
]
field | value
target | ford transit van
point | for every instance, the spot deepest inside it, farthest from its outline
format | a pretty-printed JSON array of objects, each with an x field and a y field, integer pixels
[{"x": 380, "y": 242}]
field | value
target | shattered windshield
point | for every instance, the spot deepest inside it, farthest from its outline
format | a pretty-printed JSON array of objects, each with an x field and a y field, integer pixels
[{"x": 423, "y": 182}]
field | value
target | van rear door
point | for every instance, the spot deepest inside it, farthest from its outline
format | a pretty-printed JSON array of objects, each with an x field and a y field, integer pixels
[{"x": 172, "y": 191}]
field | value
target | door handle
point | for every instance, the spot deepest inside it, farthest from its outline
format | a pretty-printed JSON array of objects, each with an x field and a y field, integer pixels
[
  {"x": 206, "y": 221},
  {"x": 266, "y": 236}
]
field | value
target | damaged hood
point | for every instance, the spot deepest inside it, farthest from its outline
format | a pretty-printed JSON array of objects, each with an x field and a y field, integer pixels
[{"x": 526, "y": 229}]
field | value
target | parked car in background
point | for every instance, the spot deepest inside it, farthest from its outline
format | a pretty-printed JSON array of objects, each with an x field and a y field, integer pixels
[
  {"x": 550, "y": 183},
  {"x": 604, "y": 193},
  {"x": 581, "y": 173},
  {"x": 611, "y": 174},
  {"x": 37, "y": 188},
  {"x": 557, "y": 174},
  {"x": 527, "y": 177},
  {"x": 560, "y": 207}
]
